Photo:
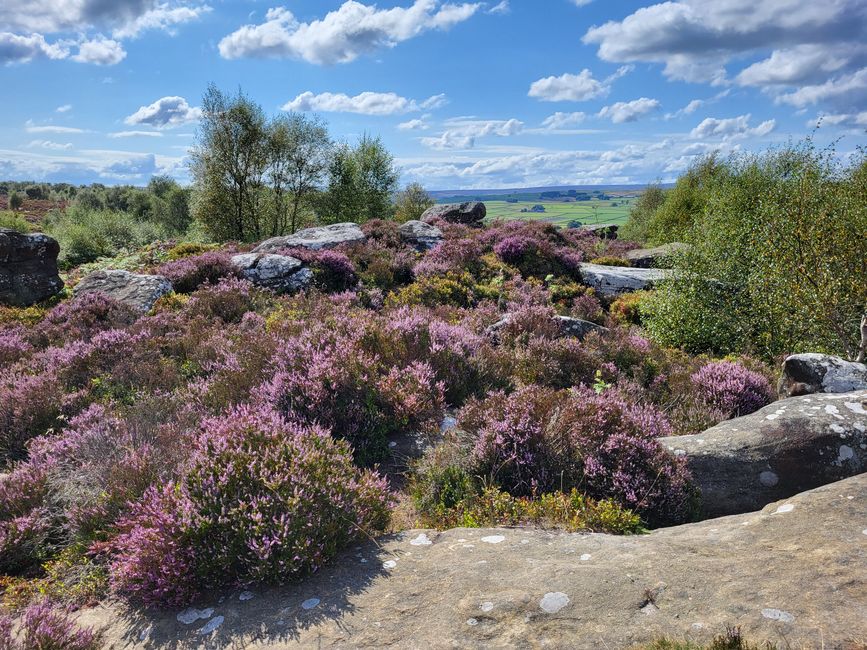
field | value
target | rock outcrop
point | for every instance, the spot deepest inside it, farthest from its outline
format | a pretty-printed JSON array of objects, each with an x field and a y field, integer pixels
[
  {"x": 421, "y": 235},
  {"x": 655, "y": 258},
  {"x": 134, "y": 289},
  {"x": 804, "y": 374},
  {"x": 315, "y": 238},
  {"x": 471, "y": 213},
  {"x": 785, "y": 448},
  {"x": 28, "y": 268},
  {"x": 573, "y": 327},
  {"x": 792, "y": 574},
  {"x": 611, "y": 281},
  {"x": 280, "y": 273},
  {"x": 603, "y": 230}
]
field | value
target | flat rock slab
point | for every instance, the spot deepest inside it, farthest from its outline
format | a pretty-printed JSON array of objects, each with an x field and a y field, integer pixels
[
  {"x": 28, "y": 268},
  {"x": 804, "y": 374},
  {"x": 134, "y": 289},
  {"x": 794, "y": 573},
  {"x": 657, "y": 257},
  {"x": 785, "y": 448},
  {"x": 470, "y": 213},
  {"x": 280, "y": 273},
  {"x": 611, "y": 281},
  {"x": 315, "y": 238},
  {"x": 421, "y": 235},
  {"x": 603, "y": 230}
]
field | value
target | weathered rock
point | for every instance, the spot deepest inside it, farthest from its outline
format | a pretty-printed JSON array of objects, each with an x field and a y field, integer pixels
[
  {"x": 280, "y": 273},
  {"x": 804, "y": 374},
  {"x": 422, "y": 235},
  {"x": 315, "y": 238},
  {"x": 656, "y": 258},
  {"x": 603, "y": 230},
  {"x": 134, "y": 289},
  {"x": 785, "y": 448},
  {"x": 28, "y": 268},
  {"x": 793, "y": 574},
  {"x": 610, "y": 281},
  {"x": 471, "y": 213},
  {"x": 573, "y": 327}
]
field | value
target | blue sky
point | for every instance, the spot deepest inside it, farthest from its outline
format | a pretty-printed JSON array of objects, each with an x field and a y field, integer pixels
[{"x": 465, "y": 94}]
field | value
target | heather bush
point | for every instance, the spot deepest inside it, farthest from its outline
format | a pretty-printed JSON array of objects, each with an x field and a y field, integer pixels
[
  {"x": 82, "y": 319},
  {"x": 189, "y": 273},
  {"x": 228, "y": 300},
  {"x": 539, "y": 440},
  {"x": 454, "y": 289},
  {"x": 382, "y": 267},
  {"x": 188, "y": 249},
  {"x": 626, "y": 308},
  {"x": 13, "y": 345},
  {"x": 731, "y": 389},
  {"x": 46, "y": 627},
  {"x": 333, "y": 271}
]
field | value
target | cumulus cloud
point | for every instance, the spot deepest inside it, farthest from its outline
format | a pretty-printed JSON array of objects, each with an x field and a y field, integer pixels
[
  {"x": 841, "y": 119},
  {"x": 574, "y": 87},
  {"x": 629, "y": 111},
  {"x": 462, "y": 134},
  {"x": 15, "y": 48},
  {"x": 366, "y": 103},
  {"x": 846, "y": 91},
  {"x": 342, "y": 35},
  {"x": 561, "y": 120},
  {"x": 697, "y": 39},
  {"x": 165, "y": 112},
  {"x": 100, "y": 51},
  {"x": 730, "y": 128},
  {"x": 63, "y": 109},
  {"x": 413, "y": 125},
  {"x": 163, "y": 17}
]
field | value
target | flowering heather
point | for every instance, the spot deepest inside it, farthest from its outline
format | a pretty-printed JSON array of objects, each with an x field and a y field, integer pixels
[
  {"x": 46, "y": 627},
  {"x": 333, "y": 271},
  {"x": 538, "y": 440},
  {"x": 13, "y": 345},
  {"x": 81, "y": 319},
  {"x": 189, "y": 273},
  {"x": 732, "y": 389},
  {"x": 228, "y": 300}
]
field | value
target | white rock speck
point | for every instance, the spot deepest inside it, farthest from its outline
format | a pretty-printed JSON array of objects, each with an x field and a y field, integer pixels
[
  {"x": 421, "y": 540},
  {"x": 191, "y": 615},
  {"x": 310, "y": 603},
  {"x": 493, "y": 539},
  {"x": 389, "y": 564},
  {"x": 246, "y": 595},
  {"x": 586, "y": 557},
  {"x": 211, "y": 625},
  {"x": 553, "y": 602},
  {"x": 486, "y": 606},
  {"x": 786, "y": 507},
  {"x": 778, "y": 615},
  {"x": 472, "y": 622}
]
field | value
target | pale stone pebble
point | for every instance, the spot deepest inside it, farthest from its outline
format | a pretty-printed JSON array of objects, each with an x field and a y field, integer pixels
[
  {"x": 472, "y": 622},
  {"x": 493, "y": 539},
  {"x": 389, "y": 564},
  {"x": 786, "y": 507},
  {"x": 246, "y": 595},
  {"x": 191, "y": 615},
  {"x": 421, "y": 540},
  {"x": 585, "y": 557},
  {"x": 486, "y": 606},
  {"x": 553, "y": 602},
  {"x": 778, "y": 615},
  {"x": 211, "y": 625},
  {"x": 310, "y": 603}
]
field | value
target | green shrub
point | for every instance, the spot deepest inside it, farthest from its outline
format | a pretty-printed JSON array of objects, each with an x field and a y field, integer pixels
[
  {"x": 15, "y": 201},
  {"x": 14, "y": 222},
  {"x": 641, "y": 212},
  {"x": 609, "y": 260}
]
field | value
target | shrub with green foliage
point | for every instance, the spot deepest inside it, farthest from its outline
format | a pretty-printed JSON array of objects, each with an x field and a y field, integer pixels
[{"x": 14, "y": 221}]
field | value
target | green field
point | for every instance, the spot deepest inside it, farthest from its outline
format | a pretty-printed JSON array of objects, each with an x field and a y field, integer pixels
[{"x": 561, "y": 213}]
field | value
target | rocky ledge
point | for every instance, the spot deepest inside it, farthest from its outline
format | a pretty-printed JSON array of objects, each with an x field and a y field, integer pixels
[{"x": 793, "y": 574}]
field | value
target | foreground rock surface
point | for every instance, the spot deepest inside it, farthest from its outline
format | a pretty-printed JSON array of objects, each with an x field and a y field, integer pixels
[
  {"x": 134, "y": 289},
  {"x": 658, "y": 257},
  {"x": 421, "y": 235},
  {"x": 315, "y": 238},
  {"x": 793, "y": 574},
  {"x": 280, "y": 273},
  {"x": 611, "y": 281},
  {"x": 28, "y": 268},
  {"x": 804, "y": 374},
  {"x": 785, "y": 448},
  {"x": 470, "y": 213}
]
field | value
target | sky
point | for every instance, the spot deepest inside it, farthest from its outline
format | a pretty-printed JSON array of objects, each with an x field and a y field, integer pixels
[{"x": 465, "y": 95}]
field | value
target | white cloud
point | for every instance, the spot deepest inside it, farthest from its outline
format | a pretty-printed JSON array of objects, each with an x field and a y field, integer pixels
[
  {"x": 730, "y": 128},
  {"x": 501, "y": 8},
  {"x": 841, "y": 119},
  {"x": 581, "y": 3},
  {"x": 629, "y": 111},
  {"x": 48, "y": 144},
  {"x": 165, "y": 112},
  {"x": 846, "y": 91},
  {"x": 413, "y": 125},
  {"x": 462, "y": 133},
  {"x": 561, "y": 120},
  {"x": 344, "y": 34},
  {"x": 697, "y": 39},
  {"x": 30, "y": 127},
  {"x": 15, "y": 48},
  {"x": 575, "y": 87},
  {"x": 63, "y": 109},
  {"x": 100, "y": 51},
  {"x": 366, "y": 103},
  {"x": 163, "y": 17},
  {"x": 135, "y": 134}
]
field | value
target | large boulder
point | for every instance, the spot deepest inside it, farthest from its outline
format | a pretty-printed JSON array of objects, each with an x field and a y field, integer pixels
[
  {"x": 315, "y": 238},
  {"x": 611, "y": 281},
  {"x": 28, "y": 268},
  {"x": 420, "y": 235},
  {"x": 603, "y": 230},
  {"x": 785, "y": 448},
  {"x": 280, "y": 273},
  {"x": 134, "y": 289},
  {"x": 471, "y": 213},
  {"x": 804, "y": 374},
  {"x": 569, "y": 327},
  {"x": 793, "y": 574},
  {"x": 658, "y": 257}
]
